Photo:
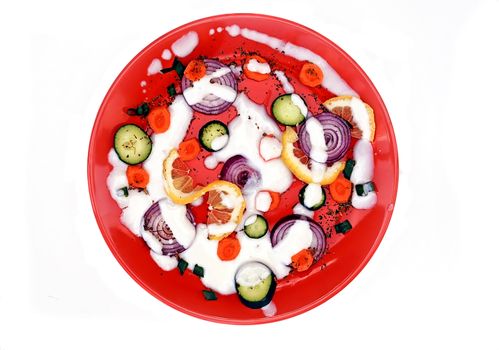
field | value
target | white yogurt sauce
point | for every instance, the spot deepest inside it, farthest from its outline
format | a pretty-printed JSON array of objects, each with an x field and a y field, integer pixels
[
  {"x": 143, "y": 83},
  {"x": 197, "y": 202},
  {"x": 219, "y": 29},
  {"x": 250, "y": 220},
  {"x": 252, "y": 274},
  {"x": 165, "y": 262},
  {"x": 204, "y": 87},
  {"x": 136, "y": 204},
  {"x": 154, "y": 67},
  {"x": 166, "y": 55},
  {"x": 301, "y": 210},
  {"x": 257, "y": 67},
  {"x": 163, "y": 143},
  {"x": 270, "y": 148},
  {"x": 219, "y": 142},
  {"x": 218, "y": 274},
  {"x": 246, "y": 131},
  {"x": 269, "y": 309},
  {"x": 175, "y": 217},
  {"x": 211, "y": 31},
  {"x": 186, "y": 44},
  {"x": 298, "y": 102},
  {"x": 312, "y": 195},
  {"x": 286, "y": 85},
  {"x": 363, "y": 172},
  {"x": 263, "y": 200},
  {"x": 237, "y": 70},
  {"x": 299, "y": 237},
  {"x": 152, "y": 242},
  {"x": 332, "y": 80},
  {"x": 318, "y": 149}
]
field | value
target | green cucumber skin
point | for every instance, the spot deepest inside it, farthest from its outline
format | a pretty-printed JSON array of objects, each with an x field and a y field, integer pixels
[
  {"x": 263, "y": 302},
  {"x": 260, "y": 221},
  {"x": 143, "y": 138},
  {"x": 278, "y": 109},
  {"x": 206, "y": 135},
  {"x": 301, "y": 198}
]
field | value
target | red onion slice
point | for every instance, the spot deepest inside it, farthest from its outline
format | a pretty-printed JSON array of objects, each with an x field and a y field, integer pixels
[
  {"x": 212, "y": 104},
  {"x": 154, "y": 223},
  {"x": 281, "y": 229},
  {"x": 237, "y": 170},
  {"x": 336, "y": 134}
]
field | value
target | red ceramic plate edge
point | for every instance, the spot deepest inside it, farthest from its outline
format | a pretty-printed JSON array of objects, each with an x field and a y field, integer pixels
[{"x": 309, "y": 306}]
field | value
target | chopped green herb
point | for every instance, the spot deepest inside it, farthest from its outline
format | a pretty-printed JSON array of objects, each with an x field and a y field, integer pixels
[
  {"x": 171, "y": 90},
  {"x": 363, "y": 189},
  {"x": 182, "y": 265},
  {"x": 177, "y": 66},
  {"x": 142, "y": 109},
  {"x": 347, "y": 171},
  {"x": 343, "y": 227},
  {"x": 209, "y": 295},
  {"x": 198, "y": 270},
  {"x": 123, "y": 192}
]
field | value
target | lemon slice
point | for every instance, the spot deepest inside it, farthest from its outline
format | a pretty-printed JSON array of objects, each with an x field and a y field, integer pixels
[
  {"x": 225, "y": 201},
  {"x": 359, "y": 114},
  {"x": 297, "y": 162}
]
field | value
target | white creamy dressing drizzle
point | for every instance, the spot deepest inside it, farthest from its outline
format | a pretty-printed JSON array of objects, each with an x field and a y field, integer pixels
[
  {"x": 165, "y": 262},
  {"x": 252, "y": 274},
  {"x": 298, "y": 102},
  {"x": 166, "y": 55},
  {"x": 204, "y": 87},
  {"x": 318, "y": 148},
  {"x": 246, "y": 131},
  {"x": 332, "y": 80},
  {"x": 163, "y": 143},
  {"x": 197, "y": 202},
  {"x": 175, "y": 217},
  {"x": 312, "y": 195},
  {"x": 286, "y": 85},
  {"x": 219, "y": 29},
  {"x": 250, "y": 220},
  {"x": 154, "y": 67},
  {"x": 301, "y": 210},
  {"x": 237, "y": 70},
  {"x": 270, "y": 309},
  {"x": 257, "y": 67},
  {"x": 218, "y": 274},
  {"x": 211, "y": 31},
  {"x": 299, "y": 237},
  {"x": 270, "y": 148},
  {"x": 219, "y": 142},
  {"x": 143, "y": 83},
  {"x": 263, "y": 200},
  {"x": 363, "y": 172},
  {"x": 185, "y": 44}
]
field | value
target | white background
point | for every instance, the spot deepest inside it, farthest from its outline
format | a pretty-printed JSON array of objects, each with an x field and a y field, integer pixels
[{"x": 432, "y": 284}]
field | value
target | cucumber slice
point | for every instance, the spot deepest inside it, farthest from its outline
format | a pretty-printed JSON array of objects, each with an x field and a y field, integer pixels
[
  {"x": 213, "y": 136},
  {"x": 286, "y": 111},
  {"x": 318, "y": 205},
  {"x": 255, "y": 226},
  {"x": 255, "y": 284},
  {"x": 132, "y": 144}
]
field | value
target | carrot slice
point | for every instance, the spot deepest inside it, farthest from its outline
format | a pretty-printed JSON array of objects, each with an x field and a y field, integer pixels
[
  {"x": 302, "y": 260},
  {"x": 340, "y": 190},
  {"x": 255, "y": 75},
  {"x": 195, "y": 70},
  {"x": 189, "y": 149},
  {"x": 311, "y": 74},
  {"x": 137, "y": 176},
  {"x": 228, "y": 248},
  {"x": 276, "y": 199},
  {"x": 159, "y": 119}
]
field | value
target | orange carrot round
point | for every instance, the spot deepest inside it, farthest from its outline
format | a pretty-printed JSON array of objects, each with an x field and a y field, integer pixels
[
  {"x": 189, "y": 149},
  {"x": 159, "y": 119},
  {"x": 276, "y": 199},
  {"x": 137, "y": 176},
  {"x": 255, "y": 75},
  {"x": 340, "y": 190},
  {"x": 311, "y": 74},
  {"x": 228, "y": 248},
  {"x": 195, "y": 70},
  {"x": 302, "y": 260}
]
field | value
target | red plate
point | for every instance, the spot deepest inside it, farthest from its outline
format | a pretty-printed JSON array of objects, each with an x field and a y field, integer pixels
[{"x": 347, "y": 254}]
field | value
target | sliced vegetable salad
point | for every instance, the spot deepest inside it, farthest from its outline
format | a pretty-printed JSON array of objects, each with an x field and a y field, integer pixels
[{"x": 282, "y": 173}]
